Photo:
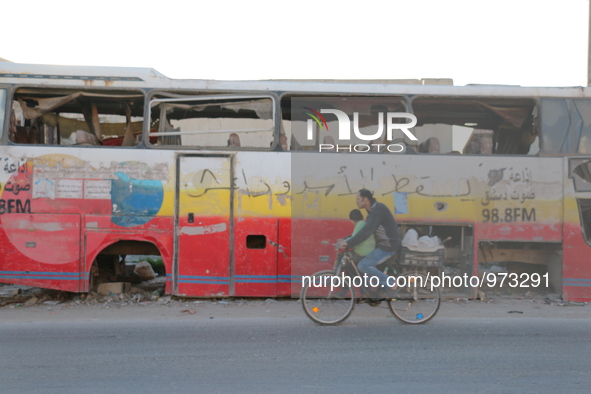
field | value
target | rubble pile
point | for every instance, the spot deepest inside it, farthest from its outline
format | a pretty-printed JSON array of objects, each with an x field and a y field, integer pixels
[{"x": 21, "y": 296}]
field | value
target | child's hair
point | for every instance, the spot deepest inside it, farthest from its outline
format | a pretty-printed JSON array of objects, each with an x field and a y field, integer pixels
[{"x": 355, "y": 215}]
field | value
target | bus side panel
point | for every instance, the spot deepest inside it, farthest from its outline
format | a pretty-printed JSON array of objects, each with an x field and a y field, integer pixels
[
  {"x": 255, "y": 257},
  {"x": 284, "y": 277},
  {"x": 313, "y": 247},
  {"x": 41, "y": 250},
  {"x": 576, "y": 285},
  {"x": 576, "y": 282}
]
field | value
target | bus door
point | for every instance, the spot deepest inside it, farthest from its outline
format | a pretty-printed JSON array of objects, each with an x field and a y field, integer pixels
[
  {"x": 203, "y": 225},
  {"x": 576, "y": 280}
]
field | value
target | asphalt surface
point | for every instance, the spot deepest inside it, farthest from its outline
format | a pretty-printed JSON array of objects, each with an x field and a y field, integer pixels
[{"x": 373, "y": 353}]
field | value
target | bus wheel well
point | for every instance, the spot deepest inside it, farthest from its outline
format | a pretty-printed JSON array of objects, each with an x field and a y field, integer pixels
[
  {"x": 523, "y": 258},
  {"x": 117, "y": 262}
]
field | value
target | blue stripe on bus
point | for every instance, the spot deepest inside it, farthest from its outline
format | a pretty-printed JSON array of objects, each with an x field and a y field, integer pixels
[
  {"x": 570, "y": 282},
  {"x": 38, "y": 277},
  {"x": 204, "y": 277},
  {"x": 208, "y": 282},
  {"x": 41, "y": 273},
  {"x": 577, "y": 284},
  {"x": 255, "y": 281}
]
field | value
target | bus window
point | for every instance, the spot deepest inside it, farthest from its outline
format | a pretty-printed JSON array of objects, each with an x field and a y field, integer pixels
[
  {"x": 480, "y": 142},
  {"x": 51, "y": 117},
  {"x": 580, "y": 171},
  {"x": 363, "y": 111},
  {"x": 585, "y": 214},
  {"x": 556, "y": 126},
  {"x": 213, "y": 122},
  {"x": 2, "y": 108},
  {"x": 475, "y": 126},
  {"x": 582, "y": 124}
]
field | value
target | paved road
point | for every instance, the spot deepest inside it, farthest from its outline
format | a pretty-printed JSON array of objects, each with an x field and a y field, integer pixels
[{"x": 294, "y": 355}]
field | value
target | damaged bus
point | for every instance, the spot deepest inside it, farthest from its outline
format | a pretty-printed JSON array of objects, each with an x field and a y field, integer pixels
[{"x": 224, "y": 181}]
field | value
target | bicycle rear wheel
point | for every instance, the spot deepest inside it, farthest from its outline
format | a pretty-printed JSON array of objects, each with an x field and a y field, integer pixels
[
  {"x": 416, "y": 302},
  {"x": 325, "y": 305}
]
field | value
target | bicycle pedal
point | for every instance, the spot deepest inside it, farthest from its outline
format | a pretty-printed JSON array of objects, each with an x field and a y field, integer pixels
[{"x": 375, "y": 302}]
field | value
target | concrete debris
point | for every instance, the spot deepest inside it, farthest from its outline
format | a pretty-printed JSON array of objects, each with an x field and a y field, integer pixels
[
  {"x": 113, "y": 288},
  {"x": 9, "y": 291},
  {"x": 189, "y": 311},
  {"x": 144, "y": 270},
  {"x": 140, "y": 292},
  {"x": 164, "y": 300}
]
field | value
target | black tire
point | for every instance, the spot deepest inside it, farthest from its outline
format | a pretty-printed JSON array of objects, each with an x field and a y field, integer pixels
[
  {"x": 416, "y": 302},
  {"x": 324, "y": 306}
]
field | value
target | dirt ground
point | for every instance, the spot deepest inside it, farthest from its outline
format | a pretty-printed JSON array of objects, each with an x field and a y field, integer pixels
[{"x": 21, "y": 304}]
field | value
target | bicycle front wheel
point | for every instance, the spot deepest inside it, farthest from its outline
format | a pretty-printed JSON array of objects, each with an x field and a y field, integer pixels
[
  {"x": 324, "y": 303},
  {"x": 416, "y": 300}
]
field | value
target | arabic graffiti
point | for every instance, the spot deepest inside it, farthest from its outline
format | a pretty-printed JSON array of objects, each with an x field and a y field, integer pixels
[
  {"x": 327, "y": 187},
  {"x": 208, "y": 177},
  {"x": 401, "y": 185},
  {"x": 211, "y": 177}
]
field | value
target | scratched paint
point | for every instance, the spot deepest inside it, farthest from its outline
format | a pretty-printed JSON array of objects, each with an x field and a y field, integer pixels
[{"x": 200, "y": 230}]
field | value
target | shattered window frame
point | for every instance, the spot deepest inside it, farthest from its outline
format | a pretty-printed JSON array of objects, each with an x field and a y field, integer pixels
[
  {"x": 512, "y": 121},
  {"x": 555, "y": 126},
  {"x": 3, "y": 109},
  {"x": 57, "y": 116},
  {"x": 296, "y": 142},
  {"x": 584, "y": 207},
  {"x": 167, "y": 136}
]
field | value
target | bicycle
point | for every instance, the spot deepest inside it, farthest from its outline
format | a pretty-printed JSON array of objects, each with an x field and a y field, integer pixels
[{"x": 415, "y": 302}]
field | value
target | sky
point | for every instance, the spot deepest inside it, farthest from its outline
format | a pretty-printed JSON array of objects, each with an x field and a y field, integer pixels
[{"x": 514, "y": 42}]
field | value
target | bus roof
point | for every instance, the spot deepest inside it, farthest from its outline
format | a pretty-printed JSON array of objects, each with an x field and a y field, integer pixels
[{"x": 137, "y": 77}]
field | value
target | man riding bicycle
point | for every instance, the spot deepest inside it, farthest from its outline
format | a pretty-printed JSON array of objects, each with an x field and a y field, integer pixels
[{"x": 381, "y": 223}]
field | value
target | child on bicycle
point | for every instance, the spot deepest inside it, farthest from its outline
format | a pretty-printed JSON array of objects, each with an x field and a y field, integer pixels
[{"x": 367, "y": 246}]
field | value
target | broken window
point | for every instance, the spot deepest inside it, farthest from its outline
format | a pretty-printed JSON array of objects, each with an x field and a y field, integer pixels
[
  {"x": 2, "y": 109},
  {"x": 52, "y": 117},
  {"x": 580, "y": 171},
  {"x": 566, "y": 126},
  {"x": 582, "y": 125},
  {"x": 585, "y": 212},
  {"x": 363, "y": 112},
  {"x": 213, "y": 122},
  {"x": 476, "y": 125},
  {"x": 556, "y": 126}
]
